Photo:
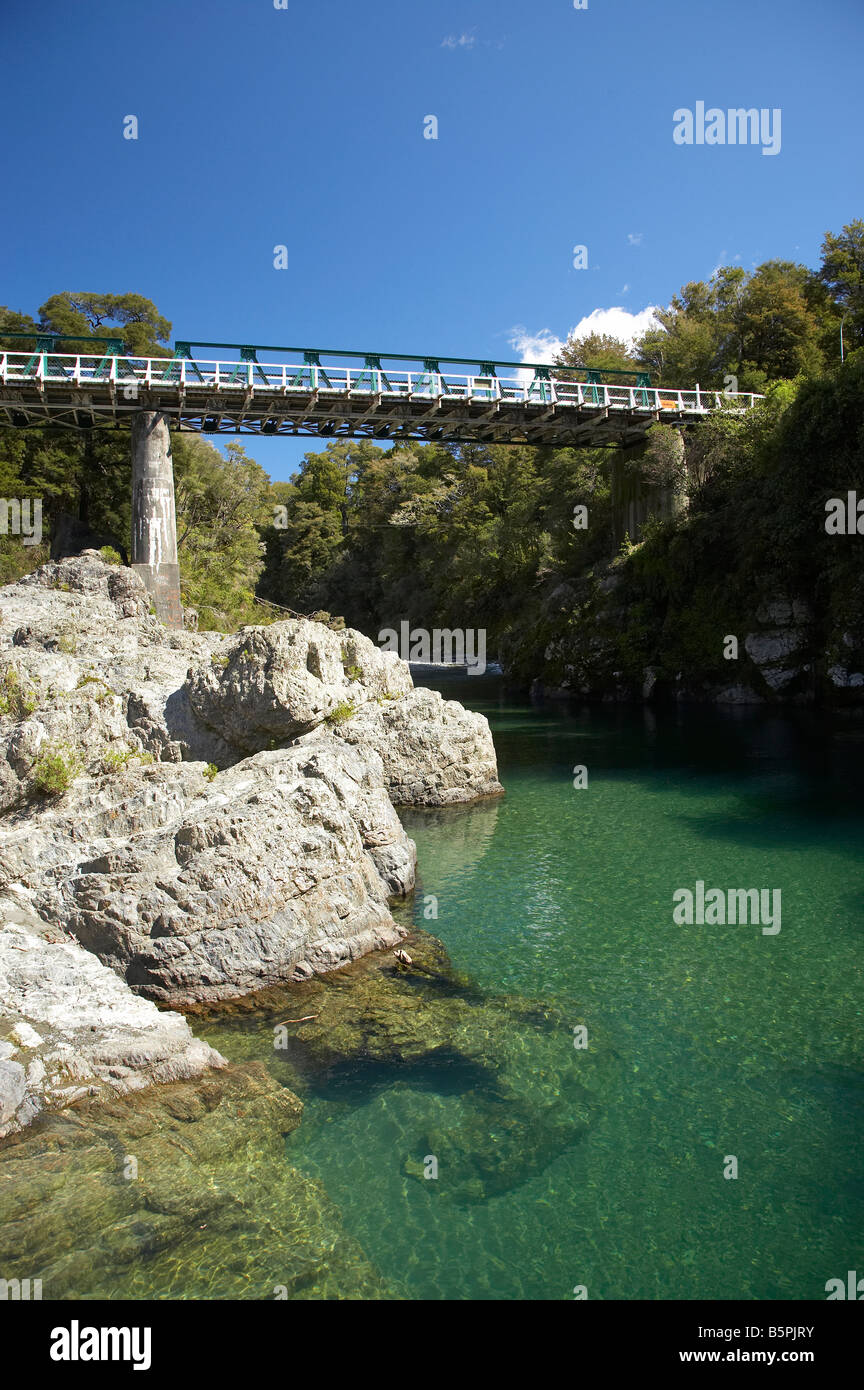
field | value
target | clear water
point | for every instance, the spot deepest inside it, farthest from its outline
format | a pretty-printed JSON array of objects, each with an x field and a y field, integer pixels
[
  {"x": 731, "y": 1042},
  {"x": 728, "y": 1043}
]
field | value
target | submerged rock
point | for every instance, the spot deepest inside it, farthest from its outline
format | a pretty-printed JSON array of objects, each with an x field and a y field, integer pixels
[
  {"x": 183, "y": 1193},
  {"x": 524, "y": 1094}
]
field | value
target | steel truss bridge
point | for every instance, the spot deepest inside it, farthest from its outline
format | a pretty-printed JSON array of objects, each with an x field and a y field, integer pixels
[{"x": 360, "y": 395}]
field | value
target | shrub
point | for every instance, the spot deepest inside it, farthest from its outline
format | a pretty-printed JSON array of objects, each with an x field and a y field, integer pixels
[
  {"x": 114, "y": 759},
  {"x": 341, "y": 713},
  {"x": 16, "y": 700},
  {"x": 55, "y": 771}
]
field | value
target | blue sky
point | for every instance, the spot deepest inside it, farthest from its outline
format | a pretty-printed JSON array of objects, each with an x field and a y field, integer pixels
[{"x": 303, "y": 127}]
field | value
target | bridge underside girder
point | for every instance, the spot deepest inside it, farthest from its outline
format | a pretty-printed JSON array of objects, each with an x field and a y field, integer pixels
[{"x": 337, "y": 415}]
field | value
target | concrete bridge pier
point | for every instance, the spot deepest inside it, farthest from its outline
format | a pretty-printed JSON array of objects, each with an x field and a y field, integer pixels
[{"x": 154, "y": 525}]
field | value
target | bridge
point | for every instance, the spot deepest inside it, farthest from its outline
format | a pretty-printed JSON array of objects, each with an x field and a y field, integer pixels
[{"x": 358, "y": 395}]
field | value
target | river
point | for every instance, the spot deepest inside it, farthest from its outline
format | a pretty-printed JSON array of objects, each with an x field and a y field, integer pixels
[{"x": 732, "y": 1043}]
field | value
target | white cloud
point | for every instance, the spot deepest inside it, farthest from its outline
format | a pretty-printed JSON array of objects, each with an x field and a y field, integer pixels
[
  {"x": 616, "y": 322},
  {"x": 535, "y": 347},
  {"x": 635, "y": 238},
  {"x": 463, "y": 41}
]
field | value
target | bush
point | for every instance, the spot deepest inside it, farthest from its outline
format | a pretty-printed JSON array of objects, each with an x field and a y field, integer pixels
[
  {"x": 56, "y": 770},
  {"x": 15, "y": 699},
  {"x": 114, "y": 760},
  {"x": 344, "y": 711}
]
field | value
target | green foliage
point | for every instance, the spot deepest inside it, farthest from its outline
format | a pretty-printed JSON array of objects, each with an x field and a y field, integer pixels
[
  {"x": 842, "y": 274},
  {"x": 115, "y": 759},
  {"x": 341, "y": 713},
  {"x": 222, "y": 502},
  {"x": 211, "y": 771},
  {"x": 16, "y": 559},
  {"x": 745, "y": 329},
  {"x": 351, "y": 669},
  {"x": 598, "y": 350},
  {"x": 17, "y": 699},
  {"x": 56, "y": 769},
  {"x": 130, "y": 317}
]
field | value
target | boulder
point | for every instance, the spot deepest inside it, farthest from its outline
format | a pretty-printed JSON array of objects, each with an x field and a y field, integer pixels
[
  {"x": 72, "y": 1028},
  {"x": 434, "y": 751},
  {"x": 279, "y": 867},
  {"x": 272, "y": 684}
]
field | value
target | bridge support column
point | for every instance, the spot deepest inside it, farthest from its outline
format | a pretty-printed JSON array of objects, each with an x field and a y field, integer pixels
[{"x": 154, "y": 526}]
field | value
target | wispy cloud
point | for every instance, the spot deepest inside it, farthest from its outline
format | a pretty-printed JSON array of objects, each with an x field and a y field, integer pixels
[
  {"x": 721, "y": 261},
  {"x": 635, "y": 238},
  {"x": 470, "y": 40}
]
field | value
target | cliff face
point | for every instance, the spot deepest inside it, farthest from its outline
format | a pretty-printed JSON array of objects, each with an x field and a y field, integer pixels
[
  {"x": 752, "y": 592},
  {"x": 607, "y": 637},
  {"x": 207, "y": 815}
]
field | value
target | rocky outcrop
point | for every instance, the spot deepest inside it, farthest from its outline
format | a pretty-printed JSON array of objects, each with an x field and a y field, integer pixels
[
  {"x": 434, "y": 751},
  {"x": 778, "y": 645},
  {"x": 71, "y": 1028},
  {"x": 278, "y": 682},
  {"x": 207, "y": 815},
  {"x": 87, "y": 673},
  {"x": 279, "y": 867},
  {"x": 604, "y": 637}
]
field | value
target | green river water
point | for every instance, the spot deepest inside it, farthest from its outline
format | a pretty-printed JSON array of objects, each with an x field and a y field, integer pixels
[
  {"x": 723, "y": 1041},
  {"x": 731, "y": 1042}
]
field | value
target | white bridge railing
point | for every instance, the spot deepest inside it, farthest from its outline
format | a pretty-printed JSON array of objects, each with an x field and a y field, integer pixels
[{"x": 124, "y": 376}]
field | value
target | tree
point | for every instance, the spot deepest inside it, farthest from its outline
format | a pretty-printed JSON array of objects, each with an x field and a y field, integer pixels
[
  {"x": 842, "y": 274},
  {"x": 755, "y": 327},
  {"x": 221, "y": 502},
  {"x": 598, "y": 350},
  {"x": 131, "y": 317}
]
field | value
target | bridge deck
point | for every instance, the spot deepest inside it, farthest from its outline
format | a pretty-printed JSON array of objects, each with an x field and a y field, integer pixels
[{"x": 251, "y": 397}]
